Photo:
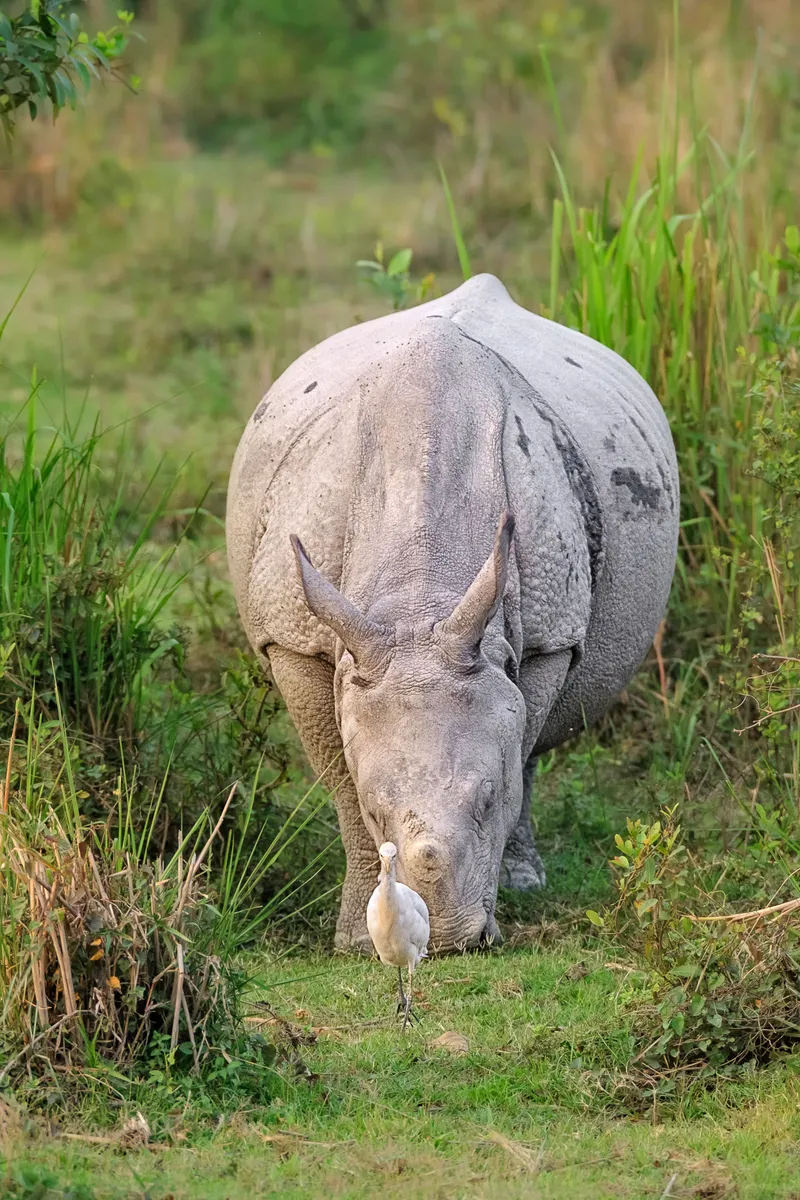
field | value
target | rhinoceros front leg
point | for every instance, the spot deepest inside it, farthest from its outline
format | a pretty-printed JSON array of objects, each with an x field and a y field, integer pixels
[
  {"x": 541, "y": 679},
  {"x": 522, "y": 868},
  {"x": 306, "y": 685}
]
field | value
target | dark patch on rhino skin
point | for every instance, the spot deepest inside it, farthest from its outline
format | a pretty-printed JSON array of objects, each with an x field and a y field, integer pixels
[
  {"x": 581, "y": 482},
  {"x": 640, "y": 429},
  {"x": 310, "y": 388},
  {"x": 523, "y": 441},
  {"x": 572, "y": 362},
  {"x": 641, "y": 493},
  {"x": 258, "y": 414},
  {"x": 609, "y": 443},
  {"x": 576, "y": 468}
]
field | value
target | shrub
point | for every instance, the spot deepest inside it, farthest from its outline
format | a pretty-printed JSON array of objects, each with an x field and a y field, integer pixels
[{"x": 721, "y": 989}]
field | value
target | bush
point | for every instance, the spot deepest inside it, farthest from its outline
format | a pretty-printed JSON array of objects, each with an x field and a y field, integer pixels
[{"x": 711, "y": 993}]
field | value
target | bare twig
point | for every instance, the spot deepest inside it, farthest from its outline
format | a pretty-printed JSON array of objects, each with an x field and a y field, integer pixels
[
  {"x": 658, "y": 641},
  {"x": 772, "y": 910},
  {"x": 670, "y": 1185},
  {"x": 532, "y": 1163}
]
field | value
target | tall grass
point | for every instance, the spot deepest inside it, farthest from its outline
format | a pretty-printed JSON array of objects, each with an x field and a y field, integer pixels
[
  {"x": 128, "y": 894},
  {"x": 82, "y": 592},
  {"x": 696, "y": 302},
  {"x": 111, "y": 947},
  {"x": 706, "y": 306}
]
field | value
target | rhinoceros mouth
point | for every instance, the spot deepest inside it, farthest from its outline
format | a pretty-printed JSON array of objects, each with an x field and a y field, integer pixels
[{"x": 468, "y": 932}]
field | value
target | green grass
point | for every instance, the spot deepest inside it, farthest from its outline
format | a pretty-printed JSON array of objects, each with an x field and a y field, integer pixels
[{"x": 396, "y": 1115}]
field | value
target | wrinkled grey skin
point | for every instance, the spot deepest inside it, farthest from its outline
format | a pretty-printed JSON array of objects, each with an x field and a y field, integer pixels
[{"x": 490, "y": 505}]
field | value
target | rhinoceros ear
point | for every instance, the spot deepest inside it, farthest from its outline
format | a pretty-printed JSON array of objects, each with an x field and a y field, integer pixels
[
  {"x": 366, "y": 641},
  {"x": 467, "y": 623}
]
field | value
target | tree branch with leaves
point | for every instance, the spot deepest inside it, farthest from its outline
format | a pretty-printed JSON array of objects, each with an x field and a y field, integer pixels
[{"x": 45, "y": 56}]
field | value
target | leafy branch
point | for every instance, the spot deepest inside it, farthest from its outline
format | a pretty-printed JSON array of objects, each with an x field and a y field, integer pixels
[{"x": 45, "y": 55}]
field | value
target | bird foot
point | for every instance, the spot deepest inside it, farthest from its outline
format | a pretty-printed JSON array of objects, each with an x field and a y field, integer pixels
[{"x": 405, "y": 1010}]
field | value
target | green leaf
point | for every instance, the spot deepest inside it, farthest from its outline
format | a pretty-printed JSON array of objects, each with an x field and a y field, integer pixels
[
  {"x": 595, "y": 917},
  {"x": 697, "y": 1004},
  {"x": 458, "y": 236},
  {"x": 82, "y": 73},
  {"x": 644, "y": 906},
  {"x": 400, "y": 263}
]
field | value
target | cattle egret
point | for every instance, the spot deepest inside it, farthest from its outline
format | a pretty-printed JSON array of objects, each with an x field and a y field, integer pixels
[{"x": 398, "y": 923}]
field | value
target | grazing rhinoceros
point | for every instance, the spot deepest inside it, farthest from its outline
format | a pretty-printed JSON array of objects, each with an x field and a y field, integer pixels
[{"x": 452, "y": 533}]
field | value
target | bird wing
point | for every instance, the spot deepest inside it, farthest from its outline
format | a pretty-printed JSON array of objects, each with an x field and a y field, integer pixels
[
  {"x": 421, "y": 907},
  {"x": 418, "y": 921},
  {"x": 373, "y": 917}
]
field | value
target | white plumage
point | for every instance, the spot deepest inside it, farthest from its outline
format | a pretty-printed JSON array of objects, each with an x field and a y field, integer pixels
[{"x": 398, "y": 923}]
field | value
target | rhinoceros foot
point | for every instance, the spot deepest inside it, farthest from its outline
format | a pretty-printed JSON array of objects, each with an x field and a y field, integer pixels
[{"x": 522, "y": 869}]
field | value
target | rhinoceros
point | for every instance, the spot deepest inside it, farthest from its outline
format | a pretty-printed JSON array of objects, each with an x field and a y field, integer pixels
[{"x": 451, "y": 533}]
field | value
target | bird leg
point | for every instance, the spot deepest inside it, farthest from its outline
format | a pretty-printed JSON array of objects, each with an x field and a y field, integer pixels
[
  {"x": 408, "y": 1015},
  {"x": 402, "y": 1000}
]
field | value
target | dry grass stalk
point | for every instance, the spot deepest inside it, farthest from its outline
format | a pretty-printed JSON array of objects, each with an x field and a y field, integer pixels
[
  {"x": 531, "y": 1162},
  {"x": 7, "y": 787},
  {"x": 776, "y": 911},
  {"x": 98, "y": 947}
]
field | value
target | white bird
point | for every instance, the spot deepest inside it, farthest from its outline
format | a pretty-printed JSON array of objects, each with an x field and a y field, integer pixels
[{"x": 398, "y": 923}]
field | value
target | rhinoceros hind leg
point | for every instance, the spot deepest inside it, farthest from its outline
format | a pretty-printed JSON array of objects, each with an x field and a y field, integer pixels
[{"x": 522, "y": 868}]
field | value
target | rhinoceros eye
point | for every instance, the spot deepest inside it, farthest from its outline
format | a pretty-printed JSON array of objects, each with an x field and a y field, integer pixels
[
  {"x": 354, "y": 676},
  {"x": 487, "y": 793},
  {"x": 360, "y": 681}
]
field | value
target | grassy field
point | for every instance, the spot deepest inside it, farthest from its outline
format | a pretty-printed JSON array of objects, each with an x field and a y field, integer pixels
[
  {"x": 517, "y": 1110},
  {"x": 180, "y": 249}
]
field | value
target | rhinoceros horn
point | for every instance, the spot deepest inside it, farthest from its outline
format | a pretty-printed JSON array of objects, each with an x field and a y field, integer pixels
[
  {"x": 467, "y": 623},
  {"x": 367, "y": 641}
]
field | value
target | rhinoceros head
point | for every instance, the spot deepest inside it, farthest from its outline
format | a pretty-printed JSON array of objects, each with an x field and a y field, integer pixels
[{"x": 432, "y": 724}]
